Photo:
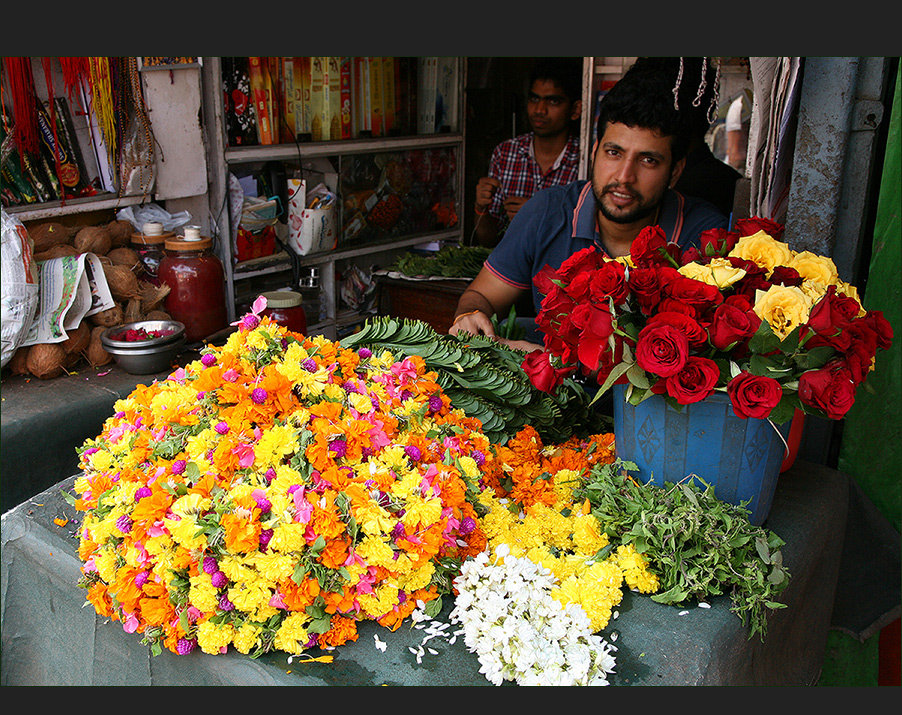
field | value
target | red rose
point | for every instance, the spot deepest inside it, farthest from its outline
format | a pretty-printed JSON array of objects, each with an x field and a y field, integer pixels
[
  {"x": 694, "y": 382},
  {"x": 609, "y": 281},
  {"x": 544, "y": 280},
  {"x": 587, "y": 259},
  {"x": 717, "y": 242},
  {"x": 753, "y": 395},
  {"x": 786, "y": 276},
  {"x": 881, "y": 327},
  {"x": 646, "y": 285},
  {"x": 731, "y": 324},
  {"x": 751, "y": 226},
  {"x": 662, "y": 349},
  {"x": 595, "y": 325},
  {"x": 686, "y": 323},
  {"x": 829, "y": 389},
  {"x": 542, "y": 374},
  {"x": 693, "y": 292},
  {"x": 650, "y": 247}
]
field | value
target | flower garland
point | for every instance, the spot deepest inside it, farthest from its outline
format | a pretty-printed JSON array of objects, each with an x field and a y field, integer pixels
[
  {"x": 274, "y": 493},
  {"x": 519, "y": 632}
]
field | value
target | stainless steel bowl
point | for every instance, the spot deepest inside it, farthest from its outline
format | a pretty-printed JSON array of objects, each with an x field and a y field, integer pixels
[
  {"x": 146, "y": 360},
  {"x": 111, "y": 337}
]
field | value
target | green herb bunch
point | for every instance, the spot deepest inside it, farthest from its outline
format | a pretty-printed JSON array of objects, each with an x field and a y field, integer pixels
[{"x": 698, "y": 546}]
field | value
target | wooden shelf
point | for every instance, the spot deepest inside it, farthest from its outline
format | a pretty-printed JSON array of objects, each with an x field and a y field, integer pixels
[{"x": 54, "y": 209}]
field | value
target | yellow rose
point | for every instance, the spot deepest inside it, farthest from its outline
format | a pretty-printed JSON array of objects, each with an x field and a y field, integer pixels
[
  {"x": 784, "y": 308},
  {"x": 763, "y": 250},
  {"x": 813, "y": 267},
  {"x": 719, "y": 272}
]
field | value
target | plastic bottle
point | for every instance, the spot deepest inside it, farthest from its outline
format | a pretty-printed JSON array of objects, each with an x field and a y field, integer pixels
[{"x": 195, "y": 277}]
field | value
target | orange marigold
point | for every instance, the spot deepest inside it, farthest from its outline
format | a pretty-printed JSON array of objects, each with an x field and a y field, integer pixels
[
  {"x": 341, "y": 631},
  {"x": 242, "y": 534}
]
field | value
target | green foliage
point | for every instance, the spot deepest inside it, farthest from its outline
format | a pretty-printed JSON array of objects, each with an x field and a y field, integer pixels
[
  {"x": 484, "y": 378},
  {"x": 451, "y": 261},
  {"x": 698, "y": 545}
]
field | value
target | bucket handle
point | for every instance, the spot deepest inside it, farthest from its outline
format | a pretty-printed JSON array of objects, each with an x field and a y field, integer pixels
[{"x": 782, "y": 438}]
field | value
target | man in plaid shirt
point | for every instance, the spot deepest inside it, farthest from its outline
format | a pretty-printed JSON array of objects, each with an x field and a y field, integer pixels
[{"x": 546, "y": 156}]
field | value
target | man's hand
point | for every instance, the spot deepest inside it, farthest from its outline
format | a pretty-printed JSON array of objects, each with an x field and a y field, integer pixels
[
  {"x": 512, "y": 204},
  {"x": 475, "y": 323},
  {"x": 485, "y": 190}
]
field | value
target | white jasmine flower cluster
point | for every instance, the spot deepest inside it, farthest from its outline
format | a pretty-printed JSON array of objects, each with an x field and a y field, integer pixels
[{"x": 519, "y": 631}]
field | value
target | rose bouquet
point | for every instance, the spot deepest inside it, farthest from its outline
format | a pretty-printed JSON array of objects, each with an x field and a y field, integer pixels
[
  {"x": 776, "y": 329},
  {"x": 274, "y": 493}
]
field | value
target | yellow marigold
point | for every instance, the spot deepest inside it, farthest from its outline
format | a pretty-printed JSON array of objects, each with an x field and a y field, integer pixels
[
  {"x": 214, "y": 638},
  {"x": 382, "y": 600},
  {"x": 587, "y": 535},
  {"x": 272, "y": 565},
  {"x": 419, "y": 578},
  {"x": 421, "y": 512},
  {"x": 253, "y": 597},
  {"x": 276, "y": 443},
  {"x": 101, "y": 460},
  {"x": 373, "y": 519},
  {"x": 635, "y": 569},
  {"x": 287, "y": 538},
  {"x": 292, "y": 635},
  {"x": 360, "y": 403},
  {"x": 247, "y": 637},
  {"x": 376, "y": 551},
  {"x": 202, "y": 593},
  {"x": 106, "y": 563}
]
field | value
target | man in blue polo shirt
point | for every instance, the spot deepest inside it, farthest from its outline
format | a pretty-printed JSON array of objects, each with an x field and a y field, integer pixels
[{"x": 638, "y": 158}]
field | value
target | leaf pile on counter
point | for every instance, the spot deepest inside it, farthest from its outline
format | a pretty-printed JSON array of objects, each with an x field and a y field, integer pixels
[
  {"x": 698, "y": 545},
  {"x": 449, "y": 261},
  {"x": 484, "y": 378}
]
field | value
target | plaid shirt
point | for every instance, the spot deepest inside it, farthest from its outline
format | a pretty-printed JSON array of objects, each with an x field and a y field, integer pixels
[{"x": 514, "y": 165}]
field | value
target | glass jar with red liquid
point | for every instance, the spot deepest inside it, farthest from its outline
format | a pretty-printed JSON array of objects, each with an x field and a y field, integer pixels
[
  {"x": 286, "y": 308},
  {"x": 196, "y": 281},
  {"x": 149, "y": 244}
]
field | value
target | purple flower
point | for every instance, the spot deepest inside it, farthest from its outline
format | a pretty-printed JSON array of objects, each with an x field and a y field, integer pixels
[
  {"x": 263, "y": 503},
  {"x": 210, "y": 565},
  {"x": 398, "y": 531},
  {"x": 218, "y": 579},
  {"x": 222, "y": 427},
  {"x": 142, "y": 492},
  {"x": 478, "y": 457},
  {"x": 250, "y": 321},
  {"x": 365, "y": 353},
  {"x": 225, "y": 604},
  {"x": 185, "y": 646},
  {"x": 258, "y": 396},
  {"x": 339, "y": 447},
  {"x": 266, "y": 537},
  {"x": 435, "y": 403},
  {"x": 208, "y": 360},
  {"x": 310, "y": 365},
  {"x": 142, "y": 578},
  {"x": 467, "y": 525},
  {"x": 124, "y": 523},
  {"x": 269, "y": 475},
  {"x": 413, "y": 452},
  {"x": 120, "y": 415},
  {"x": 178, "y": 466}
]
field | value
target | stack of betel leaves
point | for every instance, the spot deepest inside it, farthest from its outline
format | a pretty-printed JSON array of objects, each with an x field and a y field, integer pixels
[
  {"x": 451, "y": 261},
  {"x": 484, "y": 378}
]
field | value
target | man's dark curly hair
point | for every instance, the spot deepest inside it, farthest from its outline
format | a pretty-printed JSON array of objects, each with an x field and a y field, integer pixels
[
  {"x": 643, "y": 98},
  {"x": 565, "y": 72}
]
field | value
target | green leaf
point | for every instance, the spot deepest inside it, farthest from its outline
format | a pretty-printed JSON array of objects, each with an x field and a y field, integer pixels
[{"x": 765, "y": 340}]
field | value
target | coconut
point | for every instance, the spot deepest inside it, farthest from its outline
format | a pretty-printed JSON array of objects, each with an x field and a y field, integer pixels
[
  {"x": 46, "y": 360},
  {"x": 18, "y": 363},
  {"x": 93, "y": 239},
  {"x": 152, "y": 296},
  {"x": 58, "y": 251},
  {"x": 124, "y": 256},
  {"x": 120, "y": 232},
  {"x": 133, "y": 311},
  {"x": 78, "y": 339},
  {"x": 157, "y": 315},
  {"x": 122, "y": 282},
  {"x": 108, "y": 318},
  {"x": 46, "y": 235},
  {"x": 95, "y": 352}
]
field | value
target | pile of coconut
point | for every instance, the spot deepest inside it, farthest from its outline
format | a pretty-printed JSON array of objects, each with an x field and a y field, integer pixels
[{"x": 135, "y": 297}]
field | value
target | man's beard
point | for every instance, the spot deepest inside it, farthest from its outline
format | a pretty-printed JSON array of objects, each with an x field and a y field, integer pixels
[{"x": 643, "y": 208}]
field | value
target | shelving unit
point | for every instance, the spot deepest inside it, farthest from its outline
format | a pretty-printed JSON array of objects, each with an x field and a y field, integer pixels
[{"x": 282, "y": 266}]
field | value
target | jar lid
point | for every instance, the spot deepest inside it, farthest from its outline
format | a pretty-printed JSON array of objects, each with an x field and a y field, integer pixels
[
  {"x": 180, "y": 243},
  {"x": 151, "y": 234},
  {"x": 283, "y": 299}
]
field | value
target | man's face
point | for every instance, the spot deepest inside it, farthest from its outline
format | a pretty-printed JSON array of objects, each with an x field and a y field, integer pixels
[
  {"x": 548, "y": 109},
  {"x": 632, "y": 169}
]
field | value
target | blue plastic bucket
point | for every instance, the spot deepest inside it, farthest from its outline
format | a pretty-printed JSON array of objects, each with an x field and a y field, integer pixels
[{"x": 740, "y": 458}]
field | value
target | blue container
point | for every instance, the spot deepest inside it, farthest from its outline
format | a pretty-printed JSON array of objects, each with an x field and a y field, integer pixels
[{"x": 740, "y": 458}]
